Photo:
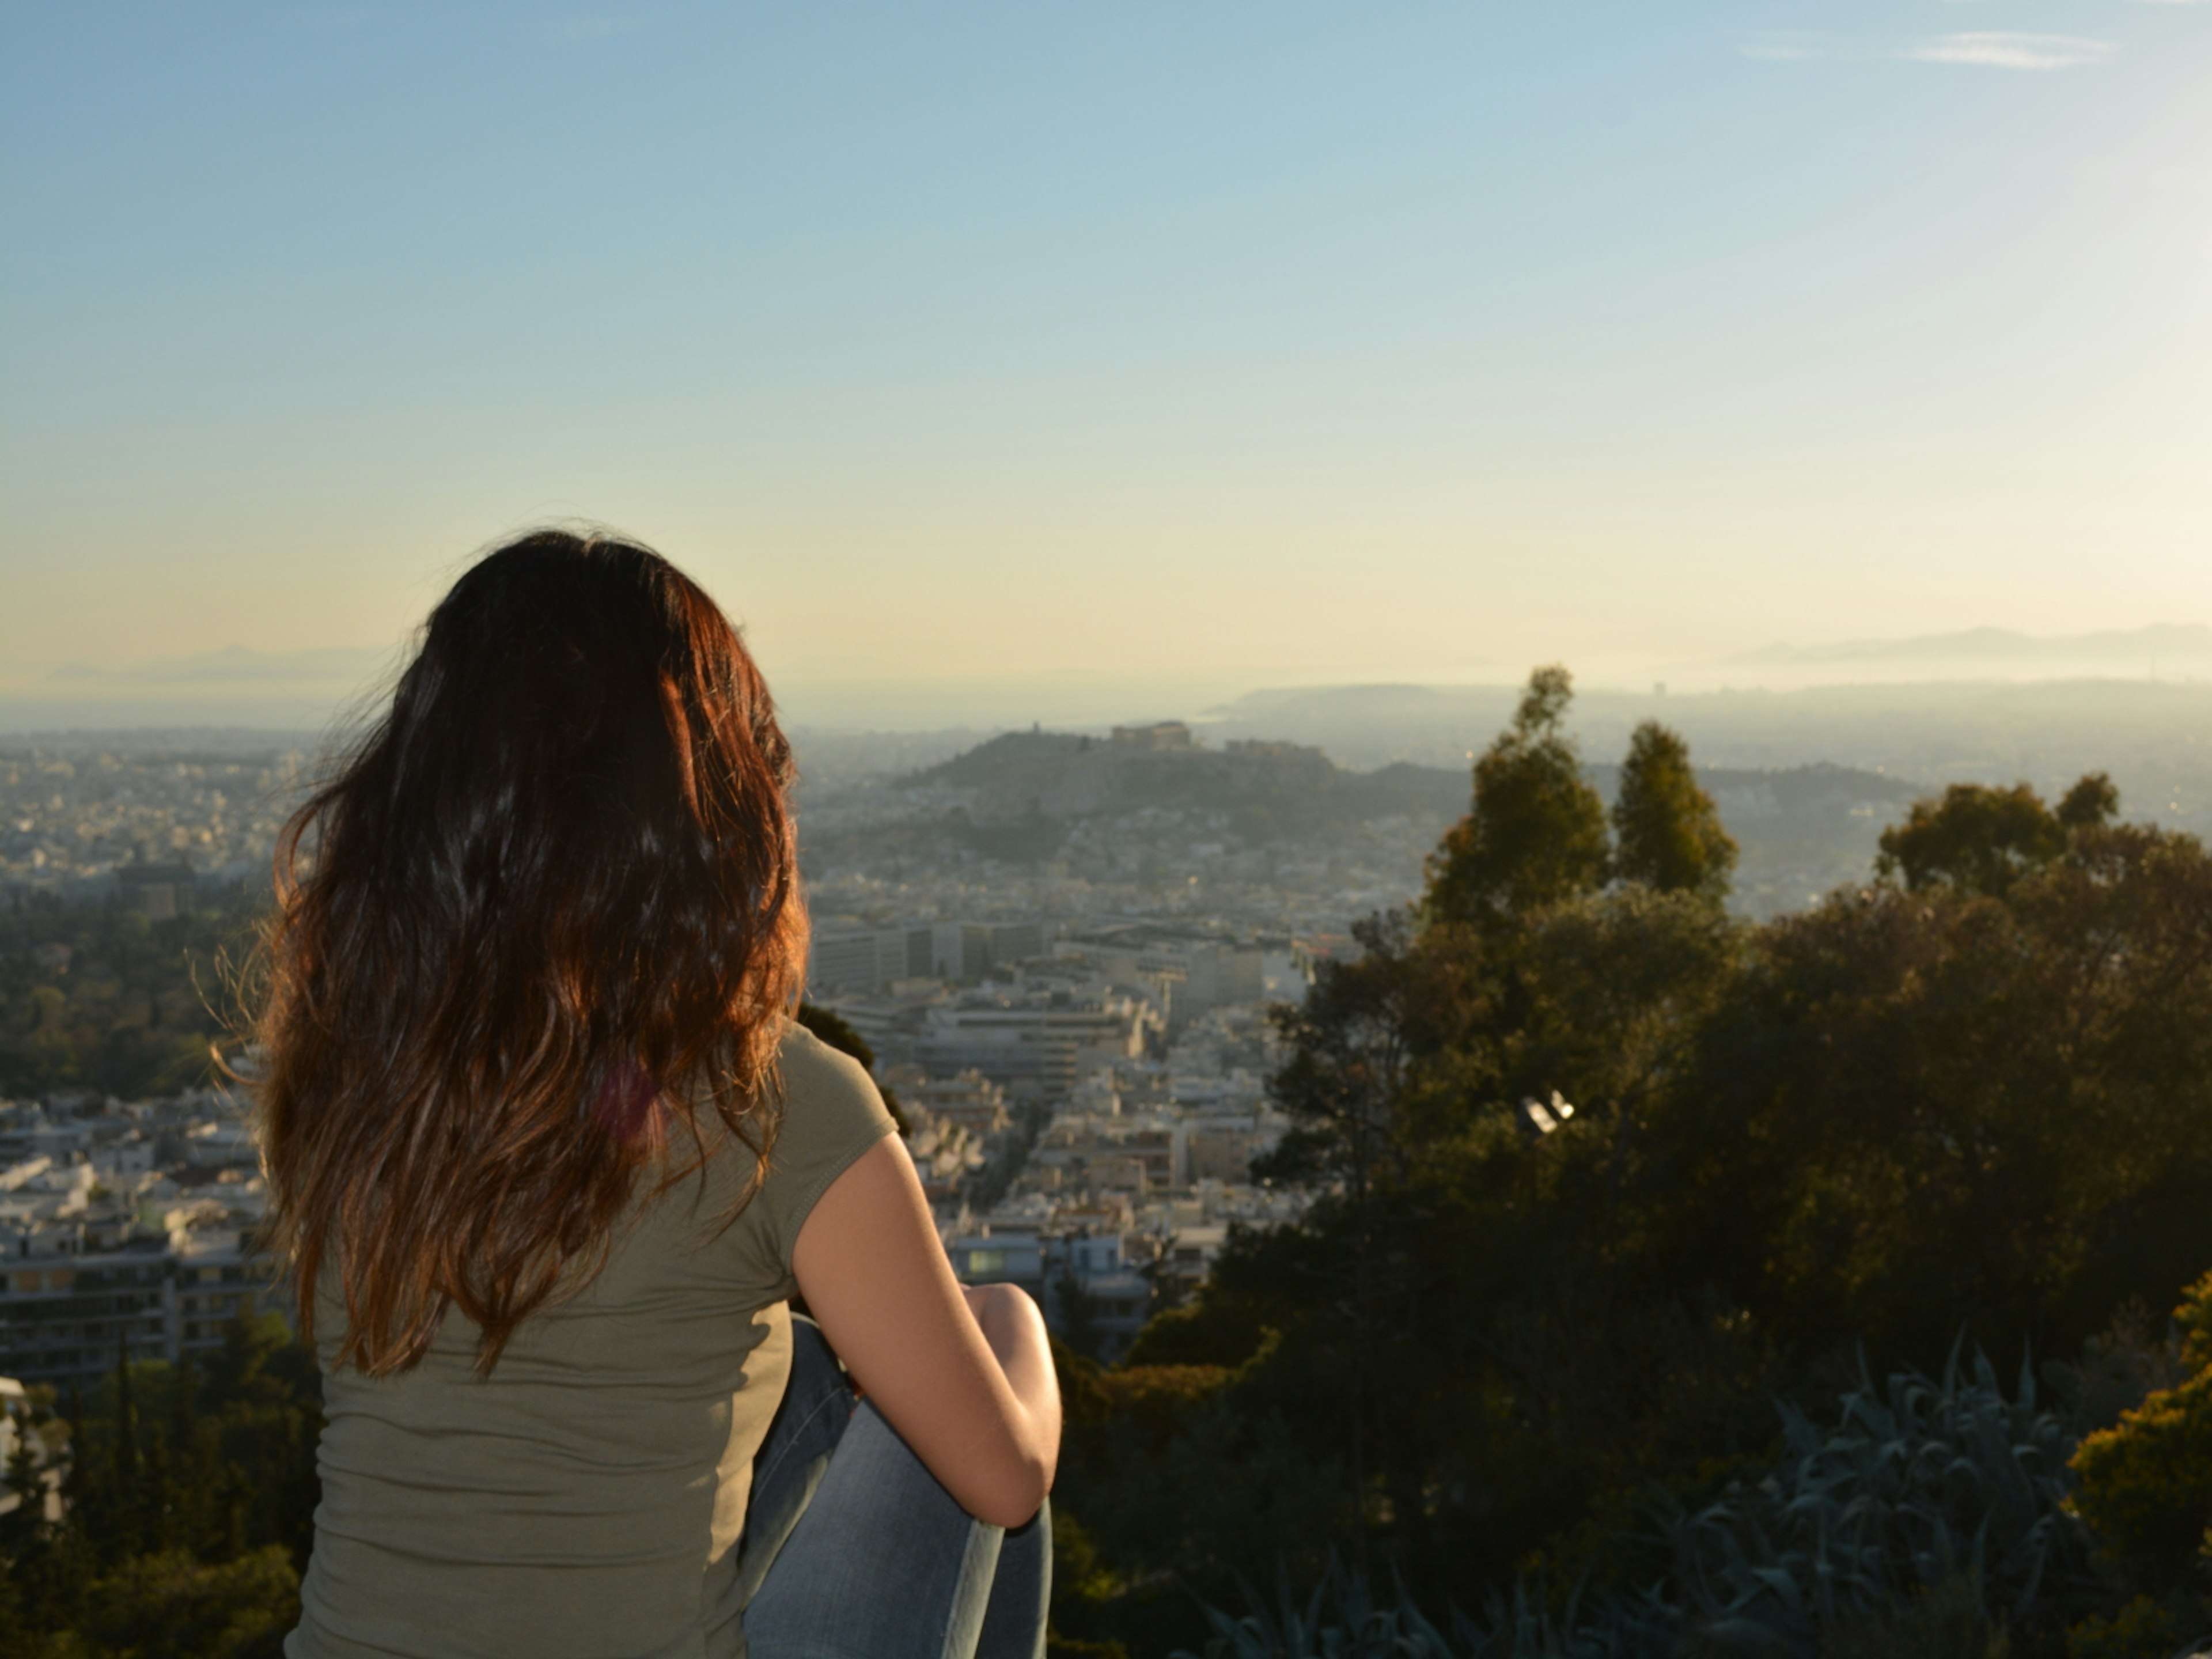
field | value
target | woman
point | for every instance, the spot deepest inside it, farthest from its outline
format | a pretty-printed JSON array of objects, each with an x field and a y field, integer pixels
[{"x": 550, "y": 1157}]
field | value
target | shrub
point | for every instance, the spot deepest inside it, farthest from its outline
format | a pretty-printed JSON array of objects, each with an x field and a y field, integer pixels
[
  {"x": 2144, "y": 1629},
  {"x": 170, "y": 1606},
  {"x": 2147, "y": 1482}
]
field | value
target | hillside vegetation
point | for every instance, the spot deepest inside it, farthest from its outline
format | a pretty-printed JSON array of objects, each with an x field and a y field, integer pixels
[{"x": 1604, "y": 1175}]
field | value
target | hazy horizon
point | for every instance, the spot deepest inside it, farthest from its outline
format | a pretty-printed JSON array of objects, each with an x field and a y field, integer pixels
[
  {"x": 2145, "y": 733},
  {"x": 242, "y": 686}
]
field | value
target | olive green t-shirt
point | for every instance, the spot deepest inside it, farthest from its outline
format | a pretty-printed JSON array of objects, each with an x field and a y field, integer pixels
[{"x": 584, "y": 1501}]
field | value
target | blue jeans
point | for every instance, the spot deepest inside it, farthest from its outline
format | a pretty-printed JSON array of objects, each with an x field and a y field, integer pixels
[{"x": 853, "y": 1551}]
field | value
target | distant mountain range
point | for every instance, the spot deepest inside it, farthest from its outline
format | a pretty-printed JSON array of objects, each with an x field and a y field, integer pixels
[
  {"x": 237, "y": 686},
  {"x": 2154, "y": 736},
  {"x": 348, "y": 666},
  {"x": 2176, "y": 645}
]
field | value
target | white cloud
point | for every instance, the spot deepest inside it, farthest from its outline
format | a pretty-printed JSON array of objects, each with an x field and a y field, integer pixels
[{"x": 2001, "y": 49}]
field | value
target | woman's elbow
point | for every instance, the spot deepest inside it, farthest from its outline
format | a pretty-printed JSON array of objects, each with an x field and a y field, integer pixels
[{"x": 1012, "y": 1498}]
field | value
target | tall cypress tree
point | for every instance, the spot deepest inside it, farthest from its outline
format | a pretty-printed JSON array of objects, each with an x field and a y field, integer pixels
[
  {"x": 130, "y": 1496},
  {"x": 23, "y": 1544},
  {"x": 1536, "y": 834},
  {"x": 1667, "y": 831}
]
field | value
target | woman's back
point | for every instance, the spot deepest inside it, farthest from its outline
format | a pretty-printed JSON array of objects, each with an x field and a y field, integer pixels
[
  {"x": 586, "y": 1497},
  {"x": 541, "y": 1136}
]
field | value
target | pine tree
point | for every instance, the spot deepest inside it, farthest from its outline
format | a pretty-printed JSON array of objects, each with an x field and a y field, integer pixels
[{"x": 1667, "y": 831}]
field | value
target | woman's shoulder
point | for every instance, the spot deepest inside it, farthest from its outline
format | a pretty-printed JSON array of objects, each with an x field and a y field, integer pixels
[
  {"x": 811, "y": 1071},
  {"x": 831, "y": 1108},
  {"x": 831, "y": 1113}
]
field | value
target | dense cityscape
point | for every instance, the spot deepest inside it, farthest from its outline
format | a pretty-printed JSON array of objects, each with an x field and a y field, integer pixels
[
  {"x": 1087, "y": 969},
  {"x": 1060, "y": 950}
]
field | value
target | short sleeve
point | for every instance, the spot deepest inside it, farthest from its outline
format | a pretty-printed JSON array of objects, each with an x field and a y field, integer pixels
[{"x": 832, "y": 1113}]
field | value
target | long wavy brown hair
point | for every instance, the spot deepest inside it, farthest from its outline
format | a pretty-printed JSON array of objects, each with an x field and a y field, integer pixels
[{"x": 546, "y": 912}]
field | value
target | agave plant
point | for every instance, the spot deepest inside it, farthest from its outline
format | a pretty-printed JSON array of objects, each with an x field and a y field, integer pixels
[
  {"x": 1919, "y": 1485},
  {"x": 1522, "y": 1626},
  {"x": 1338, "y": 1620}
]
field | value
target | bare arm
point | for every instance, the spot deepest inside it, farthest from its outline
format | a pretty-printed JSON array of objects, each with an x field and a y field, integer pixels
[{"x": 965, "y": 1377}]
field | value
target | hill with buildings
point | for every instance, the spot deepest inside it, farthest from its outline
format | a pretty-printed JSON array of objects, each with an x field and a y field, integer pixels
[{"x": 1267, "y": 791}]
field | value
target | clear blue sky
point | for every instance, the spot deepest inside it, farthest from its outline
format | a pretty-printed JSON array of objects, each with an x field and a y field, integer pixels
[{"x": 1220, "y": 344}]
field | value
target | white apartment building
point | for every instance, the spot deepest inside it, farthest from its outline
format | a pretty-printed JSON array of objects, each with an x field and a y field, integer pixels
[
  {"x": 851, "y": 959},
  {"x": 67, "y": 1314},
  {"x": 1186, "y": 974},
  {"x": 1033, "y": 1044}
]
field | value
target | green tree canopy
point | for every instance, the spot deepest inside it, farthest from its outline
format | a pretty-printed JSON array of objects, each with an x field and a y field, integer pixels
[
  {"x": 1495, "y": 1336},
  {"x": 2092, "y": 802},
  {"x": 1980, "y": 838},
  {"x": 1667, "y": 831},
  {"x": 1536, "y": 832}
]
